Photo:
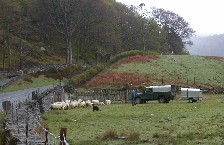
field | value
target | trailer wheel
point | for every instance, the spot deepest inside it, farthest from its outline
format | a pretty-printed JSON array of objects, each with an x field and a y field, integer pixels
[
  {"x": 138, "y": 101},
  {"x": 162, "y": 100}
]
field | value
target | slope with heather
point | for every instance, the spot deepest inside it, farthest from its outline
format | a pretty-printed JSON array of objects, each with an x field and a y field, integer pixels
[{"x": 183, "y": 70}]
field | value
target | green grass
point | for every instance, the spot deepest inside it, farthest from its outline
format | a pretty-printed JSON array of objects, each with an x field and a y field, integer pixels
[
  {"x": 30, "y": 83},
  {"x": 177, "y": 122},
  {"x": 2, "y": 135},
  {"x": 182, "y": 68}
]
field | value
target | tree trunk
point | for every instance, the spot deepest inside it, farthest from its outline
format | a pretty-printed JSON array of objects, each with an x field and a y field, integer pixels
[
  {"x": 10, "y": 54},
  {"x": 3, "y": 60},
  {"x": 69, "y": 49},
  {"x": 68, "y": 33},
  {"x": 21, "y": 55},
  {"x": 78, "y": 49}
]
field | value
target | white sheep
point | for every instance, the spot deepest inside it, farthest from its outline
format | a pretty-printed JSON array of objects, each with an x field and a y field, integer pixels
[
  {"x": 102, "y": 103},
  {"x": 82, "y": 104},
  {"x": 56, "y": 105},
  {"x": 65, "y": 105},
  {"x": 79, "y": 100},
  {"x": 95, "y": 102},
  {"x": 74, "y": 104},
  {"x": 89, "y": 103},
  {"x": 107, "y": 102}
]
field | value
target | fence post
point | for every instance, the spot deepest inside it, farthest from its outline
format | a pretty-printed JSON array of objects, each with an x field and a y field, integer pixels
[
  {"x": 46, "y": 136},
  {"x": 26, "y": 133},
  {"x": 63, "y": 132},
  {"x": 126, "y": 93},
  {"x": 12, "y": 112}
]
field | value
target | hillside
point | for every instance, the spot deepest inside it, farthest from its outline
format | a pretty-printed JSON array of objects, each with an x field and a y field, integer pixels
[
  {"x": 87, "y": 32},
  {"x": 183, "y": 70}
]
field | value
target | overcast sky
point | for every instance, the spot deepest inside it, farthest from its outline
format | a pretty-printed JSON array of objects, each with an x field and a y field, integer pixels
[{"x": 204, "y": 16}]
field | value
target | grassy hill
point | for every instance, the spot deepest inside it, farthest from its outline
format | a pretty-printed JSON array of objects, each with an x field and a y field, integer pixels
[{"x": 184, "y": 70}]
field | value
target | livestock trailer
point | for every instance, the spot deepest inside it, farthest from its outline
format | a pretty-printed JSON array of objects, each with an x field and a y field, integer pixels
[{"x": 191, "y": 94}]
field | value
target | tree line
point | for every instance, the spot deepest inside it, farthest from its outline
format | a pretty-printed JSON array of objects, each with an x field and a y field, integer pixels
[{"x": 91, "y": 31}]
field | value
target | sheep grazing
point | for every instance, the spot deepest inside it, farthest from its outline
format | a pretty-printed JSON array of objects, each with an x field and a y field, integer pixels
[
  {"x": 82, "y": 104},
  {"x": 79, "y": 100},
  {"x": 74, "y": 104},
  {"x": 56, "y": 105},
  {"x": 65, "y": 105},
  {"x": 107, "y": 102},
  {"x": 89, "y": 103},
  {"x": 96, "y": 102},
  {"x": 101, "y": 103}
]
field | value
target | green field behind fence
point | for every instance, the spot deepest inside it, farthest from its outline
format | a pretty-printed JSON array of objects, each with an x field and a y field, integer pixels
[
  {"x": 177, "y": 122},
  {"x": 180, "y": 69}
]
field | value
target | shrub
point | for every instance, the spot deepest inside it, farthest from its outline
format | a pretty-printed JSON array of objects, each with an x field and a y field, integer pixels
[
  {"x": 28, "y": 79},
  {"x": 109, "y": 135},
  {"x": 87, "y": 75},
  {"x": 134, "y": 136},
  {"x": 53, "y": 70}
]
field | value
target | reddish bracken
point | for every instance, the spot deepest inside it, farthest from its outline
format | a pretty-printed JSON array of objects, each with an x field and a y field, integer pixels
[
  {"x": 214, "y": 57},
  {"x": 139, "y": 58},
  {"x": 121, "y": 79}
]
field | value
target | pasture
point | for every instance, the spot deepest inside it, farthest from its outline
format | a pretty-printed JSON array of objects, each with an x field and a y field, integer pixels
[
  {"x": 183, "y": 70},
  {"x": 177, "y": 122}
]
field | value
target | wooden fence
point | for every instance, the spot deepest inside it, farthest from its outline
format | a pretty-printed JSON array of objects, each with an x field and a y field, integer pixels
[{"x": 116, "y": 96}]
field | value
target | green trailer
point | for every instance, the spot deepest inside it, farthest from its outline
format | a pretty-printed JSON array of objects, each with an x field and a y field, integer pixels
[{"x": 163, "y": 94}]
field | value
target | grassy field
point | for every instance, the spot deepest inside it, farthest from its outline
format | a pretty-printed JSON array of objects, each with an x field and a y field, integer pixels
[
  {"x": 177, "y": 122},
  {"x": 180, "y": 68},
  {"x": 30, "y": 82},
  {"x": 185, "y": 70}
]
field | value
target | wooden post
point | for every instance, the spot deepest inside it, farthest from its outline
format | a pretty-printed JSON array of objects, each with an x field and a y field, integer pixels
[
  {"x": 46, "y": 134},
  {"x": 26, "y": 133},
  {"x": 12, "y": 112},
  {"x": 126, "y": 93},
  {"x": 63, "y": 136}
]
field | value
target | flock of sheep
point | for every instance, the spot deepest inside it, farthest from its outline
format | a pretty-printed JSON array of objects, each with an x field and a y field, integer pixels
[{"x": 77, "y": 103}]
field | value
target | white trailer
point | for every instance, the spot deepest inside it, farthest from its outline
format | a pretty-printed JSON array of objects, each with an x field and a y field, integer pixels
[{"x": 191, "y": 94}]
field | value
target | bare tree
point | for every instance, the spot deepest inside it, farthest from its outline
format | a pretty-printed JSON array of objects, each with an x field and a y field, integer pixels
[{"x": 66, "y": 17}]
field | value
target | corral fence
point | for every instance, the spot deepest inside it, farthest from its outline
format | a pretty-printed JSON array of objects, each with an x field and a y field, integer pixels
[{"x": 116, "y": 96}]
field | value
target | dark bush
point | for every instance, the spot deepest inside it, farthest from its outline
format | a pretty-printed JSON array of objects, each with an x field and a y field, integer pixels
[
  {"x": 28, "y": 79},
  {"x": 53, "y": 70}
]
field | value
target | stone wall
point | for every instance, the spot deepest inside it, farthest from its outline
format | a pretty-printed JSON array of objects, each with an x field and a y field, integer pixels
[{"x": 23, "y": 122}]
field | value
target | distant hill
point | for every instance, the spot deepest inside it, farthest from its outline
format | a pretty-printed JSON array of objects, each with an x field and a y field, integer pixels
[{"x": 207, "y": 46}]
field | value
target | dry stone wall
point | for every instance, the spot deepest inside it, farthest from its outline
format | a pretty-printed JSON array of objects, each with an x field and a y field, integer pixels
[{"x": 23, "y": 122}]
